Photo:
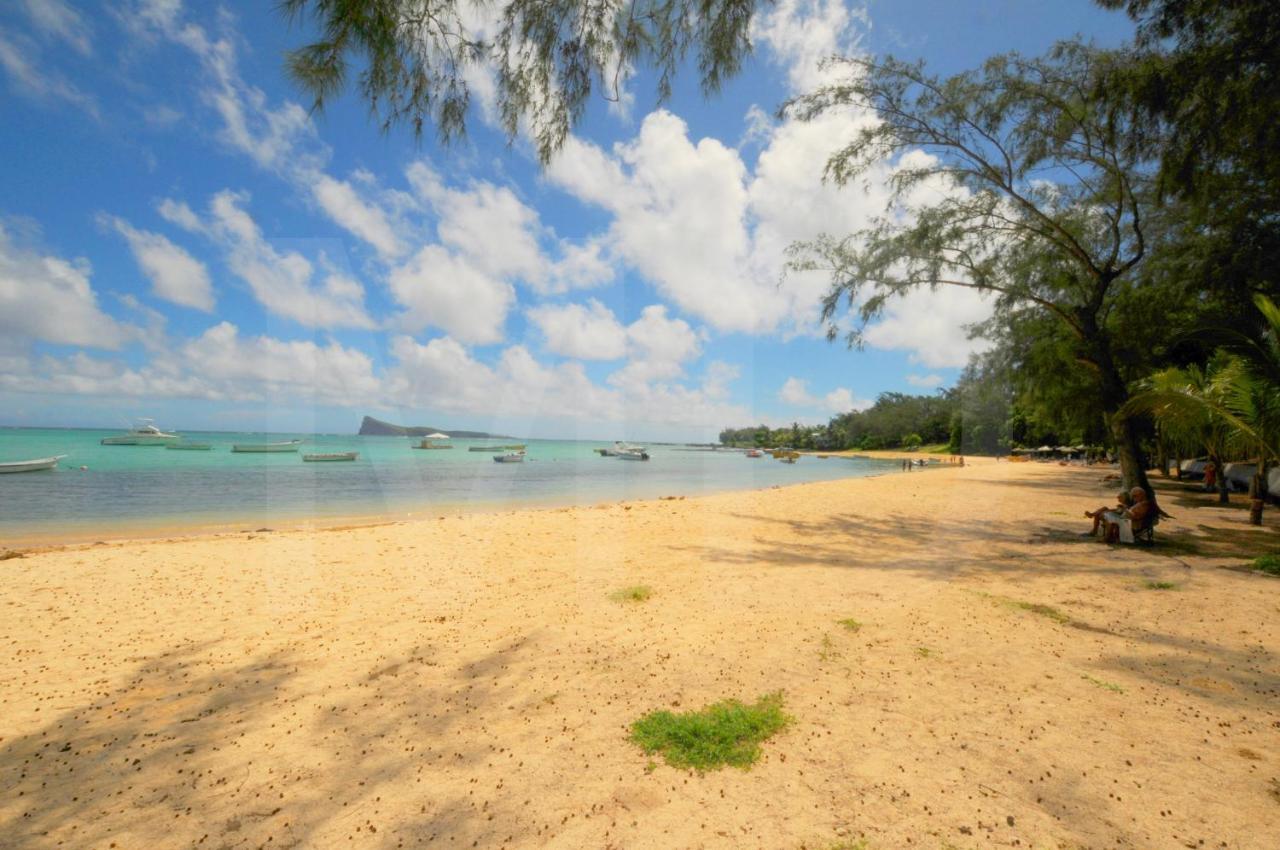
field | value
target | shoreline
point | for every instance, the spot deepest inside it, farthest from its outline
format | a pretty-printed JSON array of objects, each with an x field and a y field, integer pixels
[
  {"x": 71, "y": 536},
  {"x": 471, "y": 681}
]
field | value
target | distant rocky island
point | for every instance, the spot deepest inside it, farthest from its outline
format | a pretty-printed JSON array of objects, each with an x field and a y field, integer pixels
[{"x": 371, "y": 427}]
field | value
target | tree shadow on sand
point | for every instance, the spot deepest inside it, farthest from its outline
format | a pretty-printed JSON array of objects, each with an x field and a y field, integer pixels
[{"x": 192, "y": 751}]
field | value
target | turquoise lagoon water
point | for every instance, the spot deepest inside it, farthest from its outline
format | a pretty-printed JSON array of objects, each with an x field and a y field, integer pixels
[{"x": 137, "y": 488}]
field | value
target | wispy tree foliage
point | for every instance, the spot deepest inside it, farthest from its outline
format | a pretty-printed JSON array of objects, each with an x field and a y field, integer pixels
[
  {"x": 417, "y": 62},
  {"x": 1017, "y": 179}
]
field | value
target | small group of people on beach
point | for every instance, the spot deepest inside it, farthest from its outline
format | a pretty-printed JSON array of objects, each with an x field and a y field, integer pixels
[{"x": 1132, "y": 513}]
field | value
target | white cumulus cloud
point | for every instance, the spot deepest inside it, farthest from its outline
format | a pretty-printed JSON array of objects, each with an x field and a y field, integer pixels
[
  {"x": 175, "y": 275},
  {"x": 588, "y": 332},
  {"x": 45, "y": 297}
]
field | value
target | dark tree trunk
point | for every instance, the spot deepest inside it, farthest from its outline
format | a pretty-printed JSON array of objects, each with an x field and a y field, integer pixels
[
  {"x": 1224, "y": 496},
  {"x": 1113, "y": 395},
  {"x": 1258, "y": 492},
  {"x": 1177, "y": 471},
  {"x": 1133, "y": 465}
]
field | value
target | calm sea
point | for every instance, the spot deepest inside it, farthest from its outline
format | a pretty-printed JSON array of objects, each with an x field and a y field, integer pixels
[{"x": 135, "y": 488}]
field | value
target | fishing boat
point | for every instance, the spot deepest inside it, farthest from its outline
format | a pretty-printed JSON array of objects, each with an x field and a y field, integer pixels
[
  {"x": 619, "y": 448},
  {"x": 40, "y": 463},
  {"x": 267, "y": 448},
  {"x": 509, "y": 457},
  {"x": 429, "y": 442},
  {"x": 329, "y": 457},
  {"x": 632, "y": 454},
  {"x": 144, "y": 433},
  {"x": 189, "y": 447}
]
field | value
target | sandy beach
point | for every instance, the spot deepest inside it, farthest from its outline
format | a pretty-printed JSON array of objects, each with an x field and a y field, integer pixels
[{"x": 467, "y": 681}]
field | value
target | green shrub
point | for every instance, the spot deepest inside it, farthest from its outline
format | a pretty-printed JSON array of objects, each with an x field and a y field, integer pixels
[
  {"x": 726, "y": 733},
  {"x": 1269, "y": 564},
  {"x": 635, "y": 593}
]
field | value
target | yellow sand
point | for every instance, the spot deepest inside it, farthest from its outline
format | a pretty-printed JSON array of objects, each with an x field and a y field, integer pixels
[{"x": 468, "y": 682}]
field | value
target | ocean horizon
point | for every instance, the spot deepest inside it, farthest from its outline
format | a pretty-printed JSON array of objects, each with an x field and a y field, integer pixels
[{"x": 99, "y": 490}]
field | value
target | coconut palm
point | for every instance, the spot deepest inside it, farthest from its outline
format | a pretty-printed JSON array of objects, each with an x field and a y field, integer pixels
[
  {"x": 1188, "y": 406},
  {"x": 1232, "y": 406}
]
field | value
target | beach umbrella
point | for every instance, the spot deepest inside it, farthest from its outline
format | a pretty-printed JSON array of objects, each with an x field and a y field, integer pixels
[
  {"x": 1045, "y": 449},
  {"x": 437, "y": 436}
]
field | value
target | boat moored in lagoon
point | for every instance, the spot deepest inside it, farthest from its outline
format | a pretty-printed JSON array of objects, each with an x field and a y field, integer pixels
[
  {"x": 510, "y": 457},
  {"x": 267, "y": 448},
  {"x": 330, "y": 457},
  {"x": 37, "y": 465},
  {"x": 145, "y": 433}
]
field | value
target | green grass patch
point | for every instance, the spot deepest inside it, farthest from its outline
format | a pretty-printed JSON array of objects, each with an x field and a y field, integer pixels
[
  {"x": 925, "y": 652},
  {"x": 635, "y": 593},
  {"x": 827, "y": 650},
  {"x": 725, "y": 733},
  {"x": 1269, "y": 564},
  {"x": 1111, "y": 686},
  {"x": 850, "y": 624},
  {"x": 1161, "y": 585}
]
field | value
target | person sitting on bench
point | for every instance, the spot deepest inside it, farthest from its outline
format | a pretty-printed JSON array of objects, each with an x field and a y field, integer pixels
[
  {"x": 1126, "y": 525},
  {"x": 1123, "y": 503}
]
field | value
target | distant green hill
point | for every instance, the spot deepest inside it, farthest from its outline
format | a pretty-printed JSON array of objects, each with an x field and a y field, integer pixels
[{"x": 377, "y": 428}]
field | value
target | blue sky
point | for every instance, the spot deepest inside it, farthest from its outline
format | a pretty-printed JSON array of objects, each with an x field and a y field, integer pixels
[{"x": 179, "y": 239}]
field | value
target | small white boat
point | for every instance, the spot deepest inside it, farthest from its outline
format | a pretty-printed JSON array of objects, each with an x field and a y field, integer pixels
[
  {"x": 36, "y": 465},
  {"x": 190, "y": 447},
  {"x": 632, "y": 454},
  {"x": 509, "y": 457},
  {"x": 755, "y": 453},
  {"x": 327, "y": 457},
  {"x": 145, "y": 433},
  {"x": 620, "y": 448},
  {"x": 265, "y": 448}
]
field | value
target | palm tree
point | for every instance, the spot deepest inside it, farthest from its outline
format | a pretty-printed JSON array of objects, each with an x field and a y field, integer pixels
[
  {"x": 1231, "y": 406},
  {"x": 1187, "y": 405}
]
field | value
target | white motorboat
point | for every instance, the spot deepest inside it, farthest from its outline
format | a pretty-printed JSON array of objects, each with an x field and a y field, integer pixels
[
  {"x": 620, "y": 448},
  {"x": 631, "y": 454},
  {"x": 145, "y": 433},
  {"x": 509, "y": 457},
  {"x": 40, "y": 463},
  {"x": 267, "y": 448},
  {"x": 329, "y": 457}
]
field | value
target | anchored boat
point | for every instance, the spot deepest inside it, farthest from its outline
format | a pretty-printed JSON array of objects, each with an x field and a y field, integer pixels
[
  {"x": 37, "y": 465},
  {"x": 145, "y": 433},
  {"x": 328, "y": 457},
  {"x": 267, "y": 448},
  {"x": 509, "y": 457}
]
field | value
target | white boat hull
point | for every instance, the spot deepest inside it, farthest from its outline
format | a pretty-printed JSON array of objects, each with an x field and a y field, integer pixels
[
  {"x": 266, "y": 448},
  {"x": 141, "y": 440},
  {"x": 37, "y": 465},
  {"x": 511, "y": 458}
]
